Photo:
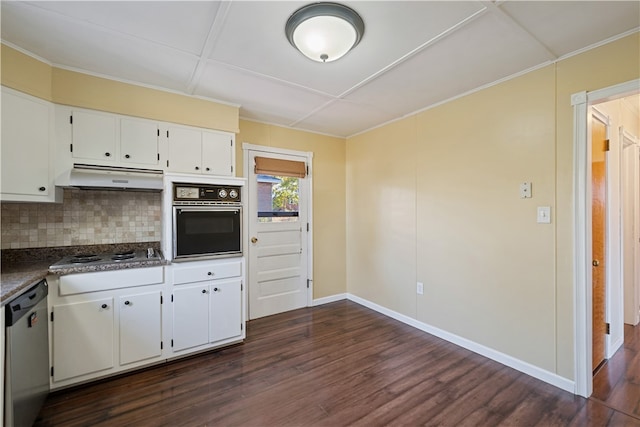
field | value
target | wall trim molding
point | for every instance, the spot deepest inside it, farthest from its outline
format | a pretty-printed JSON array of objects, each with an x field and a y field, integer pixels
[{"x": 329, "y": 299}]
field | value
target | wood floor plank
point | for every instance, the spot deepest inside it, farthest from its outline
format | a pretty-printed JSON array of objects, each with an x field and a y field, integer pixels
[
  {"x": 339, "y": 364},
  {"x": 617, "y": 384}
]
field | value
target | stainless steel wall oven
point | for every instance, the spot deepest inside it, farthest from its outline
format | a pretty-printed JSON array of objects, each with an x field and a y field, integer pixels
[{"x": 207, "y": 221}]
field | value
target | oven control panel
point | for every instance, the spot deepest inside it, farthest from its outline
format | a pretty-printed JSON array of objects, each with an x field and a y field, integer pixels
[{"x": 206, "y": 193}]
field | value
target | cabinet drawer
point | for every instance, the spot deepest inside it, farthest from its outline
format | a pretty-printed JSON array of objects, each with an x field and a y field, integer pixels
[
  {"x": 71, "y": 284},
  {"x": 204, "y": 272}
]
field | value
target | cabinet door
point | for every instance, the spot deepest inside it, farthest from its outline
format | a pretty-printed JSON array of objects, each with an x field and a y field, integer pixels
[
  {"x": 94, "y": 136},
  {"x": 226, "y": 310},
  {"x": 139, "y": 142},
  {"x": 140, "y": 327},
  {"x": 190, "y": 316},
  {"x": 82, "y": 338},
  {"x": 26, "y": 130},
  {"x": 217, "y": 153},
  {"x": 185, "y": 150}
]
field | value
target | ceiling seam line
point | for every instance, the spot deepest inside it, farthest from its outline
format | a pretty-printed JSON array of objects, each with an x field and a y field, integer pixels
[
  {"x": 415, "y": 51},
  {"x": 209, "y": 44},
  {"x": 505, "y": 17},
  {"x": 273, "y": 79},
  {"x": 398, "y": 61}
]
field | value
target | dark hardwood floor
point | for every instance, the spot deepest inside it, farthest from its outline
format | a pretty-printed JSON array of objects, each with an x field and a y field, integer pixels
[
  {"x": 617, "y": 383},
  {"x": 335, "y": 365}
]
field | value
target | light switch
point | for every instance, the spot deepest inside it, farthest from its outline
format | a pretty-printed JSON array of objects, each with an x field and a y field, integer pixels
[
  {"x": 544, "y": 215},
  {"x": 525, "y": 190}
]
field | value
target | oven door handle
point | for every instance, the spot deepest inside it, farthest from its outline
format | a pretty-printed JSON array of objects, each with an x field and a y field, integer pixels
[{"x": 207, "y": 208}]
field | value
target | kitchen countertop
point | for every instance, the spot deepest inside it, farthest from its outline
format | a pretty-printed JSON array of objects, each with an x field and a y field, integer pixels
[{"x": 22, "y": 268}]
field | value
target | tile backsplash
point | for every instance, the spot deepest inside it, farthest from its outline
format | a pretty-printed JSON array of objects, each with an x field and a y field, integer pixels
[{"x": 86, "y": 217}]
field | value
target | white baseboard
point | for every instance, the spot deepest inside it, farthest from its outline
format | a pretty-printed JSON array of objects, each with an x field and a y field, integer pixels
[
  {"x": 512, "y": 362},
  {"x": 327, "y": 300},
  {"x": 615, "y": 346}
]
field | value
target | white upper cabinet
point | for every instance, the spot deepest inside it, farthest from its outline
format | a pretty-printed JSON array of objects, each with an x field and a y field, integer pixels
[
  {"x": 185, "y": 149},
  {"x": 139, "y": 142},
  {"x": 27, "y": 148},
  {"x": 105, "y": 139},
  {"x": 93, "y": 136},
  {"x": 200, "y": 151},
  {"x": 217, "y": 153}
]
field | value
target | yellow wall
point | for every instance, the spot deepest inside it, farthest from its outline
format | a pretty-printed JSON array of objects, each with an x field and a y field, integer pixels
[
  {"x": 451, "y": 174},
  {"x": 23, "y": 73},
  {"x": 26, "y": 74},
  {"x": 329, "y": 234},
  {"x": 381, "y": 216}
]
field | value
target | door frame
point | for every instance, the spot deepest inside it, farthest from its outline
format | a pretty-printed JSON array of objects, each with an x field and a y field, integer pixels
[
  {"x": 630, "y": 148},
  {"x": 582, "y": 103},
  {"x": 274, "y": 151}
]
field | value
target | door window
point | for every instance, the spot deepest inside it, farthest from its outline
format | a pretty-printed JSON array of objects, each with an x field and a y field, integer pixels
[{"x": 278, "y": 198}]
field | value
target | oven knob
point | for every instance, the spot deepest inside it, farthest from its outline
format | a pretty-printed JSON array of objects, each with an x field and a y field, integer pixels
[
  {"x": 222, "y": 193},
  {"x": 233, "y": 194}
]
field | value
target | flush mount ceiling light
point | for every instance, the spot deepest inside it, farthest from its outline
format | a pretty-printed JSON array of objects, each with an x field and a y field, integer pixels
[{"x": 324, "y": 31}]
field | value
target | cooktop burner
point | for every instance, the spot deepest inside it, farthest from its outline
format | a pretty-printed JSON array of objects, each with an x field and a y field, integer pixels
[
  {"x": 106, "y": 258},
  {"x": 84, "y": 258},
  {"x": 123, "y": 256}
]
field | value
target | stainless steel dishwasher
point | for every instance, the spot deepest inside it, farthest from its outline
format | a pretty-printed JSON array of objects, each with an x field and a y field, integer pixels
[{"x": 27, "y": 356}]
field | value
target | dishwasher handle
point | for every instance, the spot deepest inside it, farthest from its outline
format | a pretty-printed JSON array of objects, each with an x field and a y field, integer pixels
[{"x": 24, "y": 303}]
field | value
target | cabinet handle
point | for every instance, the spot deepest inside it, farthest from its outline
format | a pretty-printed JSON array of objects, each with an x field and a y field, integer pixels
[
  {"x": 126, "y": 156},
  {"x": 197, "y": 168},
  {"x": 215, "y": 289},
  {"x": 104, "y": 306},
  {"x": 107, "y": 154},
  {"x": 208, "y": 169},
  {"x": 42, "y": 188},
  {"x": 204, "y": 291},
  {"x": 210, "y": 274},
  {"x": 127, "y": 302}
]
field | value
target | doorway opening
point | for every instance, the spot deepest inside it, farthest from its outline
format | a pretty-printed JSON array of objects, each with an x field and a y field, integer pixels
[{"x": 584, "y": 261}]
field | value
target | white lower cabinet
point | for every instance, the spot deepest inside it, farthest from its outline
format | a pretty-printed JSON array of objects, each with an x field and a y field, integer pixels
[
  {"x": 190, "y": 317},
  {"x": 225, "y": 319},
  {"x": 82, "y": 338},
  {"x": 107, "y": 329},
  {"x": 105, "y": 323},
  {"x": 207, "y": 312},
  {"x": 140, "y": 327}
]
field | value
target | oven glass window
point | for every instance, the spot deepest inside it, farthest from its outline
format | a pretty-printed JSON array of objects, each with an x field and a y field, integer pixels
[
  {"x": 207, "y": 232},
  {"x": 278, "y": 198}
]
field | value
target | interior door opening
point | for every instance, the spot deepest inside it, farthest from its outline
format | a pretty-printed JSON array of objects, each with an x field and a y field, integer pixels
[{"x": 583, "y": 103}]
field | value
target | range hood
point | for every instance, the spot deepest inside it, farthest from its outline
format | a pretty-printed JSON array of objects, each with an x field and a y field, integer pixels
[{"x": 114, "y": 178}]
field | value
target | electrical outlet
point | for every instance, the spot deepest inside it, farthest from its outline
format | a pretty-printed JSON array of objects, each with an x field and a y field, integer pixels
[{"x": 420, "y": 288}]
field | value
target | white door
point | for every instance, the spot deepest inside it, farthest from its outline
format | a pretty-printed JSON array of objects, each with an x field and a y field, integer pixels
[
  {"x": 82, "y": 338},
  {"x": 140, "y": 327},
  {"x": 139, "y": 142},
  {"x": 225, "y": 309},
  {"x": 93, "y": 135},
  {"x": 190, "y": 316},
  {"x": 278, "y": 238},
  {"x": 25, "y": 145},
  {"x": 217, "y": 153}
]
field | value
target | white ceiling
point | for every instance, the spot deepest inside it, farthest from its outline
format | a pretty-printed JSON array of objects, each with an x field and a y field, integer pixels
[{"x": 413, "y": 54}]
